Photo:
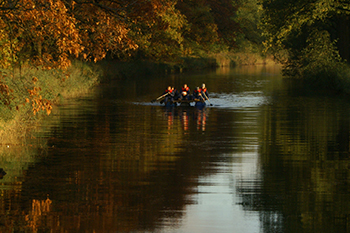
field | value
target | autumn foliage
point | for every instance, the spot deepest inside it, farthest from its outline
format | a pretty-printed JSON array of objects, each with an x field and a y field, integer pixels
[{"x": 48, "y": 34}]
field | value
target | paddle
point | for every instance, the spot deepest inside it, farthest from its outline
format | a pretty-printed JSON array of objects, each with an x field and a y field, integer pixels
[
  {"x": 159, "y": 97},
  {"x": 207, "y": 98}
]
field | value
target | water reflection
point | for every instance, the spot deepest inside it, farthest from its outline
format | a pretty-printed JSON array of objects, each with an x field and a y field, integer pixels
[
  {"x": 105, "y": 173},
  {"x": 263, "y": 158},
  {"x": 304, "y": 165},
  {"x": 187, "y": 116}
]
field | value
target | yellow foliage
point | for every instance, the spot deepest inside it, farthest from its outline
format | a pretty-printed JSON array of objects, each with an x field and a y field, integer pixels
[
  {"x": 37, "y": 102},
  {"x": 55, "y": 30}
]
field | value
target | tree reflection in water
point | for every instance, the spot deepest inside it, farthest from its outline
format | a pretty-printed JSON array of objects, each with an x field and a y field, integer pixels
[{"x": 304, "y": 184}]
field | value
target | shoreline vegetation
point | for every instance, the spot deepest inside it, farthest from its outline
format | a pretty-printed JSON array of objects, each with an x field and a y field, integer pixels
[{"x": 50, "y": 86}]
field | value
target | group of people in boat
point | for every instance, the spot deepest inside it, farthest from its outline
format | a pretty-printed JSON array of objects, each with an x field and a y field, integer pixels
[{"x": 199, "y": 94}]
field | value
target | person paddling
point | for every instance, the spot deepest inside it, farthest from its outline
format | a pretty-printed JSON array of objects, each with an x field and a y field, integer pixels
[
  {"x": 175, "y": 94},
  {"x": 205, "y": 94},
  {"x": 204, "y": 91},
  {"x": 169, "y": 94},
  {"x": 197, "y": 94},
  {"x": 185, "y": 92}
]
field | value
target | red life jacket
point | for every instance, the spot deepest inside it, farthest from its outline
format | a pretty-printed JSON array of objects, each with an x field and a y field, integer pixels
[
  {"x": 166, "y": 91},
  {"x": 186, "y": 89}
]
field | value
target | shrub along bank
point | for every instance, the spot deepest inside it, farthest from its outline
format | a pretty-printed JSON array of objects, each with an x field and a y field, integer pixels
[{"x": 30, "y": 94}]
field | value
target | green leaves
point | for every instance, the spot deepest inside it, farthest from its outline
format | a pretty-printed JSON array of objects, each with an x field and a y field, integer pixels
[{"x": 307, "y": 32}]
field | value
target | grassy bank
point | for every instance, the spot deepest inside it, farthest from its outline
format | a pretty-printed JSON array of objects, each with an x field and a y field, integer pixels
[
  {"x": 19, "y": 144},
  {"x": 48, "y": 86}
]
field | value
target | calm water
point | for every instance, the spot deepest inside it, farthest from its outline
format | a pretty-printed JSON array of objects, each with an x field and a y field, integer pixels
[{"x": 265, "y": 157}]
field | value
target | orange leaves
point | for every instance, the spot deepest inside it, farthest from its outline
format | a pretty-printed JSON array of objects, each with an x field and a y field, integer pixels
[
  {"x": 39, "y": 209},
  {"x": 54, "y": 30},
  {"x": 102, "y": 30},
  {"x": 36, "y": 100},
  {"x": 6, "y": 96},
  {"x": 44, "y": 30},
  {"x": 48, "y": 33}
]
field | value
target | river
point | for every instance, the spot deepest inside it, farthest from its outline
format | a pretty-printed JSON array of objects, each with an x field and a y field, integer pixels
[{"x": 265, "y": 155}]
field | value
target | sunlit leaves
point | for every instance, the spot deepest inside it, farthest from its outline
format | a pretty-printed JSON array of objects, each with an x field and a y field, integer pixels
[
  {"x": 102, "y": 30},
  {"x": 37, "y": 102},
  {"x": 158, "y": 30},
  {"x": 282, "y": 18},
  {"x": 6, "y": 93},
  {"x": 45, "y": 32},
  {"x": 48, "y": 33}
]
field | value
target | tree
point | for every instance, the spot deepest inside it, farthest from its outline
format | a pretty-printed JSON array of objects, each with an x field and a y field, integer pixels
[
  {"x": 224, "y": 13},
  {"x": 248, "y": 18},
  {"x": 157, "y": 27},
  {"x": 202, "y": 28},
  {"x": 211, "y": 22},
  {"x": 48, "y": 33},
  {"x": 298, "y": 30}
]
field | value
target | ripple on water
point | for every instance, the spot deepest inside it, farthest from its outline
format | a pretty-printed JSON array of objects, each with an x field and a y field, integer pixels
[{"x": 236, "y": 101}]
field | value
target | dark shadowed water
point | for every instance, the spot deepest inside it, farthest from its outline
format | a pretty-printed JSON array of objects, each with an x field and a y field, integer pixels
[{"x": 267, "y": 156}]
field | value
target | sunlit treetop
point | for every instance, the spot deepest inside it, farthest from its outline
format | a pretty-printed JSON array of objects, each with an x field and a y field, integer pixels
[{"x": 49, "y": 32}]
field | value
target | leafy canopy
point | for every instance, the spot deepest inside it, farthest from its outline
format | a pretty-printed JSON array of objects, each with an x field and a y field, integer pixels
[{"x": 296, "y": 30}]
